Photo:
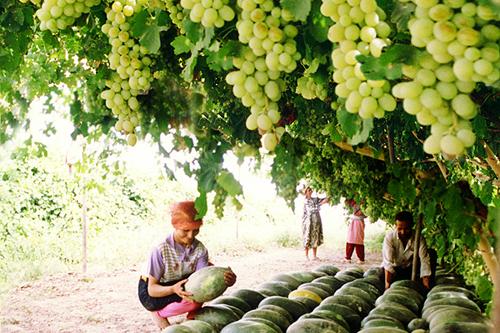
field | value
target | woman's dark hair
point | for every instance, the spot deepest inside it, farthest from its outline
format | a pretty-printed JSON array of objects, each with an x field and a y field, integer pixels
[{"x": 404, "y": 216}]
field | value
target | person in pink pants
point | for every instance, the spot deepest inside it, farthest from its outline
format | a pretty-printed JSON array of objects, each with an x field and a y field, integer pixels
[
  {"x": 355, "y": 233},
  {"x": 170, "y": 264}
]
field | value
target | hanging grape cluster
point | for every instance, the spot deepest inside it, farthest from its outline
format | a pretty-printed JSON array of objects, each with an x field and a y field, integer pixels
[
  {"x": 308, "y": 88},
  {"x": 271, "y": 51},
  {"x": 210, "y": 13},
  {"x": 131, "y": 64},
  {"x": 358, "y": 29},
  {"x": 176, "y": 13},
  {"x": 461, "y": 43},
  {"x": 57, "y": 15}
]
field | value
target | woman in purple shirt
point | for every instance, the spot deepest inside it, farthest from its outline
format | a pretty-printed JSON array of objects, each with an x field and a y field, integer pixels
[{"x": 171, "y": 263}]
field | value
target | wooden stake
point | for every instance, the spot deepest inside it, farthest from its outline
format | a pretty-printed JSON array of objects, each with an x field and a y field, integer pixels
[{"x": 416, "y": 246}]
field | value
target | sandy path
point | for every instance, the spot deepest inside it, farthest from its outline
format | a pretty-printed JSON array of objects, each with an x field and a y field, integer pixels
[{"x": 107, "y": 302}]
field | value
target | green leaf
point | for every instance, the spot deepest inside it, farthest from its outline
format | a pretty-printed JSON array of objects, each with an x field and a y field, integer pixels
[
  {"x": 181, "y": 44},
  {"x": 200, "y": 203},
  {"x": 386, "y": 5},
  {"x": 349, "y": 123},
  {"x": 318, "y": 24},
  {"x": 299, "y": 8},
  {"x": 151, "y": 38},
  {"x": 187, "y": 72},
  {"x": 220, "y": 59},
  {"x": 227, "y": 181},
  {"x": 401, "y": 14},
  {"x": 389, "y": 64},
  {"x": 194, "y": 31},
  {"x": 138, "y": 23},
  {"x": 362, "y": 135},
  {"x": 484, "y": 289}
]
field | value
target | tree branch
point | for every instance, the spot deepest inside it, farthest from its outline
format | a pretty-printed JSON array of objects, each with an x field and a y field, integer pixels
[
  {"x": 492, "y": 160},
  {"x": 489, "y": 258},
  {"x": 365, "y": 151}
]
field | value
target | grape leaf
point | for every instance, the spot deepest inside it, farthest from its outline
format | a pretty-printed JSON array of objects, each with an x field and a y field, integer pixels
[
  {"x": 181, "y": 44},
  {"x": 220, "y": 58},
  {"x": 299, "y": 8},
  {"x": 227, "y": 181},
  {"x": 138, "y": 23},
  {"x": 194, "y": 31},
  {"x": 389, "y": 64},
  {"x": 200, "y": 203},
  {"x": 349, "y": 123},
  {"x": 151, "y": 38},
  {"x": 386, "y": 5},
  {"x": 401, "y": 15},
  {"x": 318, "y": 24},
  {"x": 362, "y": 135}
]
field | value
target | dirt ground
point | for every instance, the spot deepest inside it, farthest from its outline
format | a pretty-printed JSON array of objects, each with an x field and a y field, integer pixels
[{"x": 107, "y": 302}]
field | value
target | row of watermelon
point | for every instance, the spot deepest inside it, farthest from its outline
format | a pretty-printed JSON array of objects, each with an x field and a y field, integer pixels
[
  {"x": 323, "y": 300},
  {"x": 449, "y": 307}
]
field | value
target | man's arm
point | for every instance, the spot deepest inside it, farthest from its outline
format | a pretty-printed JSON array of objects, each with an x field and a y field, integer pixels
[
  {"x": 425, "y": 263},
  {"x": 388, "y": 259}
]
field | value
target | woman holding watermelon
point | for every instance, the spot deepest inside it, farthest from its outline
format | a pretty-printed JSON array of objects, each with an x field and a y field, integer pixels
[{"x": 161, "y": 291}]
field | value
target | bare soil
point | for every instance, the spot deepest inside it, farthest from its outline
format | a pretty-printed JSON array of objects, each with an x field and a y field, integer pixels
[{"x": 107, "y": 302}]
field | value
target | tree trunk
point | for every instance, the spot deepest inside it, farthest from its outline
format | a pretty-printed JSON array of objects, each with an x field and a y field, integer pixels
[
  {"x": 496, "y": 284},
  {"x": 416, "y": 246},
  {"x": 489, "y": 258}
]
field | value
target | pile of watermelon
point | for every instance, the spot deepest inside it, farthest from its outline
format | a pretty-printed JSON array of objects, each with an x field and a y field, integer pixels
[{"x": 329, "y": 300}]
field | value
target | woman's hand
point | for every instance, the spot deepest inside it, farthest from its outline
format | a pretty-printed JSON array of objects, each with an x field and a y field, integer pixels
[
  {"x": 178, "y": 289},
  {"x": 229, "y": 277}
]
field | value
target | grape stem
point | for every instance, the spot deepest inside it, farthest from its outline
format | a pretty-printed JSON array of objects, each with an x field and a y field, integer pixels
[
  {"x": 365, "y": 151},
  {"x": 492, "y": 159}
]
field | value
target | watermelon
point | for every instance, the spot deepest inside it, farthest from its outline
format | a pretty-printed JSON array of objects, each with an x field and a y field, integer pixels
[
  {"x": 295, "y": 308},
  {"x": 366, "y": 286},
  {"x": 325, "y": 314},
  {"x": 292, "y": 283},
  {"x": 234, "y": 301},
  {"x": 383, "y": 323},
  {"x": 440, "y": 288},
  {"x": 324, "y": 286},
  {"x": 307, "y": 293},
  {"x": 378, "y": 316},
  {"x": 283, "y": 312},
  {"x": 400, "y": 299},
  {"x": 246, "y": 326},
  {"x": 350, "y": 316},
  {"x": 327, "y": 269},
  {"x": 252, "y": 297},
  {"x": 309, "y": 303},
  {"x": 264, "y": 321},
  {"x": 455, "y": 316},
  {"x": 274, "y": 316},
  {"x": 461, "y": 328},
  {"x": 352, "y": 301},
  {"x": 344, "y": 278},
  {"x": 177, "y": 329},
  {"x": 418, "y": 323},
  {"x": 312, "y": 288},
  {"x": 382, "y": 330},
  {"x": 217, "y": 316},
  {"x": 394, "y": 310},
  {"x": 349, "y": 290},
  {"x": 375, "y": 281},
  {"x": 303, "y": 276},
  {"x": 206, "y": 284},
  {"x": 199, "y": 326},
  {"x": 274, "y": 288},
  {"x": 456, "y": 301},
  {"x": 356, "y": 272},
  {"x": 316, "y": 325},
  {"x": 406, "y": 283},
  {"x": 375, "y": 272},
  {"x": 238, "y": 312},
  {"x": 408, "y": 291},
  {"x": 331, "y": 281}
]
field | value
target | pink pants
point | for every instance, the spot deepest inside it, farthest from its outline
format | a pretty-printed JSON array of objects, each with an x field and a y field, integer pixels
[{"x": 177, "y": 308}]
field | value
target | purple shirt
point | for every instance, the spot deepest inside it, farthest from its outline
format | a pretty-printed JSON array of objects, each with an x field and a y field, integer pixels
[{"x": 171, "y": 261}]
